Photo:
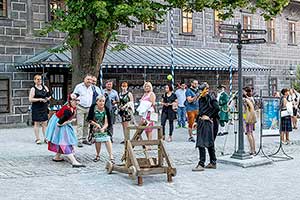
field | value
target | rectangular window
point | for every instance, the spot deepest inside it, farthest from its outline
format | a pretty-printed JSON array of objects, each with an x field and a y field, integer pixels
[
  {"x": 217, "y": 22},
  {"x": 247, "y": 23},
  {"x": 3, "y": 8},
  {"x": 272, "y": 86},
  {"x": 4, "y": 95},
  {"x": 187, "y": 22},
  {"x": 150, "y": 27},
  {"x": 54, "y": 5},
  {"x": 248, "y": 82},
  {"x": 292, "y": 33},
  {"x": 58, "y": 86},
  {"x": 271, "y": 30}
]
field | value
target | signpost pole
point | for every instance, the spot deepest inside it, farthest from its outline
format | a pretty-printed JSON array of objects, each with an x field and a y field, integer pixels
[
  {"x": 237, "y": 30},
  {"x": 240, "y": 153}
]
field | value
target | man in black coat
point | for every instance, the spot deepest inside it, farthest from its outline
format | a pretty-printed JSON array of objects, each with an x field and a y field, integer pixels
[{"x": 207, "y": 128}]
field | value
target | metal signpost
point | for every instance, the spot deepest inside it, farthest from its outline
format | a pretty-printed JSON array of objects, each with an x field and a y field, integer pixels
[{"x": 237, "y": 30}]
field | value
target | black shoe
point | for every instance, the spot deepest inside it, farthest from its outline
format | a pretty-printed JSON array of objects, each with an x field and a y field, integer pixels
[
  {"x": 86, "y": 142},
  {"x": 191, "y": 139},
  {"x": 122, "y": 142},
  {"x": 79, "y": 145},
  {"x": 78, "y": 166},
  {"x": 219, "y": 134},
  {"x": 225, "y": 133}
]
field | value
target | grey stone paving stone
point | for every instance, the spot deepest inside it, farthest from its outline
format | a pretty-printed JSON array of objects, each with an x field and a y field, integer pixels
[{"x": 30, "y": 169}]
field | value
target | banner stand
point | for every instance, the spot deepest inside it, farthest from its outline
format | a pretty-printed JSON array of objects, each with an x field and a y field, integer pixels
[{"x": 275, "y": 100}]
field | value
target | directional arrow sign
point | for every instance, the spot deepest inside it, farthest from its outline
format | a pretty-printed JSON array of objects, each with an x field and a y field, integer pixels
[
  {"x": 254, "y": 31},
  {"x": 229, "y": 40},
  {"x": 229, "y": 31},
  {"x": 227, "y": 26},
  {"x": 254, "y": 41}
]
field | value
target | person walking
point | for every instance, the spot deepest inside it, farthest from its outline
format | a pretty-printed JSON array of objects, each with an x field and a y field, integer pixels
[
  {"x": 39, "y": 96},
  {"x": 85, "y": 92},
  {"x": 169, "y": 101},
  {"x": 99, "y": 119},
  {"x": 285, "y": 118},
  {"x": 207, "y": 128},
  {"x": 126, "y": 107},
  {"x": 181, "y": 110},
  {"x": 192, "y": 107},
  {"x": 61, "y": 134}
]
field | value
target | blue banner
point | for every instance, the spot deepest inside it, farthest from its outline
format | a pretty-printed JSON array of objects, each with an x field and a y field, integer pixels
[{"x": 271, "y": 113}]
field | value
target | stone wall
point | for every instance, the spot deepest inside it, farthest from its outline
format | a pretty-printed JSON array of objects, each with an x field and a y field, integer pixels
[
  {"x": 279, "y": 56},
  {"x": 19, "y": 40}
]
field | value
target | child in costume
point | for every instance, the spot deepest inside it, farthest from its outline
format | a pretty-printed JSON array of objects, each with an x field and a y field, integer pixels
[
  {"x": 98, "y": 118},
  {"x": 61, "y": 134}
]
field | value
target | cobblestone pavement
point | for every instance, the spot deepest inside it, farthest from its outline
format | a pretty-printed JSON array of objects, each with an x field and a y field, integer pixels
[{"x": 27, "y": 172}]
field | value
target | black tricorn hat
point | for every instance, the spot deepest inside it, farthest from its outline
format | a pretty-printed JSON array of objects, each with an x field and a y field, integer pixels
[{"x": 221, "y": 86}]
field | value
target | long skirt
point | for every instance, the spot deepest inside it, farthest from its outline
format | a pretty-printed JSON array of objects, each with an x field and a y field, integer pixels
[
  {"x": 286, "y": 124},
  {"x": 61, "y": 139}
]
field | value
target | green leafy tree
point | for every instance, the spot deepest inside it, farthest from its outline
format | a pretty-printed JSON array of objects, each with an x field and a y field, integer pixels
[
  {"x": 296, "y": 82},
  {"x": 91, "y": 24}
]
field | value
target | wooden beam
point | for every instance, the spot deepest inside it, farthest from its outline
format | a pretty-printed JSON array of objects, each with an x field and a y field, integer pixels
[
  {"x": 132, "y": 157},
  {"x": 164, "y": 152},
  {"x": 144, "y": 143},
  {"x": 156, "y": 170}
]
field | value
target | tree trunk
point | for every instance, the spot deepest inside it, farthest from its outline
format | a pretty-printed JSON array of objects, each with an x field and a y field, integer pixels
[{"x": 87, "y": 56}]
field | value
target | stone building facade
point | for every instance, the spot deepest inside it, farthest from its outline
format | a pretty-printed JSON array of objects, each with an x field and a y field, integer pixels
[{"x": 20, "y": 21}]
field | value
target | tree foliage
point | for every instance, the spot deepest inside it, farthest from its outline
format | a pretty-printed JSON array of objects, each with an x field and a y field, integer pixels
[
  {"x": 104, "y": 17},
  {"x": 296, "y": 82},
  {"x": 91, "y": 24}
]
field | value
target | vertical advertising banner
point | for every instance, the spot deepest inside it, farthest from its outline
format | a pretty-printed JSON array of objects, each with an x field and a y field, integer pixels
[{"x": 271, "y": 111}]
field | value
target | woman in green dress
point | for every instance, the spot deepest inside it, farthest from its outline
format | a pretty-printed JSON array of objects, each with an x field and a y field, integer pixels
[{"x": 98, "y": 118}]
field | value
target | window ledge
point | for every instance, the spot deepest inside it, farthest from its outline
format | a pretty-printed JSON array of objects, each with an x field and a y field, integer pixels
[
  {"x": 294, "y": 45},
  {"x": 153, "y": 31},
  {"x": 187, "y": 34},
  {"x": 5, "y": 18}
]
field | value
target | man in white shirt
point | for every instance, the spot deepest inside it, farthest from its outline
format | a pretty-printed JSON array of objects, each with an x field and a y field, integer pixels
[
  {"x": 181, "y": 111},
  {"x": 85, "y": 92}
]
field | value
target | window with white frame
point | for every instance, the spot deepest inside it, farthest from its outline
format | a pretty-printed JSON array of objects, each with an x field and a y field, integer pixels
[
  {"x": 4, "y": 95},
  {"x": 3, "y": 8},
  {"x": 217, "y": 22},
  {"x": 247, "y": 24},
  {"x": 272, "y": 85},
  {"x": 292, "y": 33},
  {"x": 271, "y": 30},
  {"x": 54, "y": 5},
  {"x": 187, "y": 22},
  {"x": 150, "y": 26}
]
